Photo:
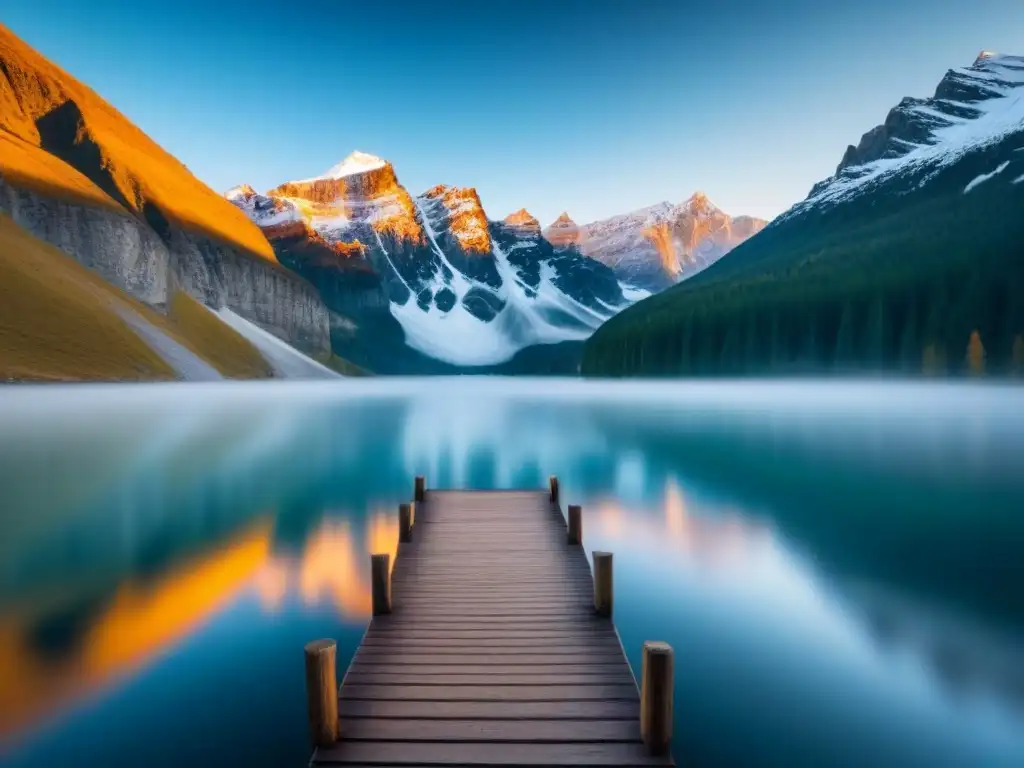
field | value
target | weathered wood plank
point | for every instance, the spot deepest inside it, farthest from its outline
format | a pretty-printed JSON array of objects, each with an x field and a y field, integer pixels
[
  {"x": 532, "y": 731},
  {"x": 490, "y": 710},
  {"x": 493, "y": 671},
  {"x": 491, "y": 632},
  {"x": 412, "y": 657},
  {"x": 492, "y": 693},
  {"x": 492, "y": 753},
  {"x": 527, "y": 677}
]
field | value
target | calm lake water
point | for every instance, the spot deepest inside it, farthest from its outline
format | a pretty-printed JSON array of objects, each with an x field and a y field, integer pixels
[{"x": 839, "y": 567}]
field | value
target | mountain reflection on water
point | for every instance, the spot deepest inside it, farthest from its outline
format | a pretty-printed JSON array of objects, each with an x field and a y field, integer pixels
[{"x": 837, "y": 565}]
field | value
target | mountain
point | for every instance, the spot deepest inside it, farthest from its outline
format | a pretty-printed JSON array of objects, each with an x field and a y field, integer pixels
[
  {"x": 908, "y": 258},
  {"x": 60, "y": 321},
  {"x": 429, "y": 284},
  {"x": 77, "y": 174},
  {"x": 656, "y": 247}
]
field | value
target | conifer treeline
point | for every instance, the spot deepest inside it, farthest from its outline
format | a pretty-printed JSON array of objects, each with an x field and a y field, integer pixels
[
  {"x": 903, "y": 281},
  {"x": 969, "y": 324}
]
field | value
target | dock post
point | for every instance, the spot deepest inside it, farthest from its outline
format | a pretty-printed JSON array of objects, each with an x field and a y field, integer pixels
[
  {"x": 380, "y": 576},
  {"x": 322, "y": 692},
  {"x": 404, "y": 523},
  {"x": 575, "y": 524},
  {"x": 553, "y": 485},
  {"x": 421, "y": 488},
  {"x": 603, "y": 584},
  {"x": 656, "y": 697}
]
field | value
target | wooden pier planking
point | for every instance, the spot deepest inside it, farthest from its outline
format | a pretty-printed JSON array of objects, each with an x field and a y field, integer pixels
[{"x": 492, "y": 653}]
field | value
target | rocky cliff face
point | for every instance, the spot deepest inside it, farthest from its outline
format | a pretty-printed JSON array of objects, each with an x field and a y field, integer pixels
[
  {"x": 76, "y": 173},
  {"x": 656, "y": 247},
  {"x": 130, "y": 255},
  {"x": 114, "y": 244}
]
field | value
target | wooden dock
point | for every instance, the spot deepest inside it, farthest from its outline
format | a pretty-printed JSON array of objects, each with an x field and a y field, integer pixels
[{"x": 491, "y": 644}]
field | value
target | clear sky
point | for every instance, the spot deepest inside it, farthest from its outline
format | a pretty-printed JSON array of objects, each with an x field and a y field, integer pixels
[{"x": 591, "y": 107}]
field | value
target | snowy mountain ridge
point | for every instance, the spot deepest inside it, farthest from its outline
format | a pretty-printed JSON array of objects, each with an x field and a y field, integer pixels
[
  {"x": 464, "y": 289},
  {"x": 972, "y": 107}
]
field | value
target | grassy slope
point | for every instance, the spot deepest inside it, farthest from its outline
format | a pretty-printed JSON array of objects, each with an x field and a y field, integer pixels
[
  {"x": 206, "y": 335},
  {"x": 343, "y": 366},
  {"x": 57, "y": 323},
  {"x": 32, "y": 87}
]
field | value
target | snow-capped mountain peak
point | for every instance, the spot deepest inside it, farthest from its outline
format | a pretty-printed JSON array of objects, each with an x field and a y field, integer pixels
[
  {"x": 972, "y": 107},
  {"x": 241, "y": 192},
  {"x": 356, "y": 163}
]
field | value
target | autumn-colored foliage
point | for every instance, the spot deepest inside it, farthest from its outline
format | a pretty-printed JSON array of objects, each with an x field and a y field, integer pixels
[{"x": 975, "y": 355}]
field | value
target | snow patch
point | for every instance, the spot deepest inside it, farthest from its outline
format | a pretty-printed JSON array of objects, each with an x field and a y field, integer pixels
[
  {"x": 286, "y": 361},
  {"x": 985, "y": 177},
  {"x": 1018, "y": 180},
  {"x": 460, "y": 338},
  {"x": 633, "y": 295}
]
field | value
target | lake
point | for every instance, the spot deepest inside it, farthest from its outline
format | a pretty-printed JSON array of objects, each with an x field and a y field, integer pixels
[{"x": 839, "y": 566}]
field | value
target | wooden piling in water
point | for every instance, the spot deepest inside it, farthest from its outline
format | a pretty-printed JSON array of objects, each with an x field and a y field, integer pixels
[
  {"x": 322, "y": 692},
  {"x": 380, "y": 579},
  {"x": 420, "y": 490},
  {"x": 553, "y": 486},
  {"x": 404, "y": 523},
  {"x": 603, "y": 584},
  {"x": 575, "y": 514},
  {"x": 656, "y": 683}
]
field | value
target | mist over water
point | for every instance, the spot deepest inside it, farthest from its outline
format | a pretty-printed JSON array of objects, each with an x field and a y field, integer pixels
[{"x": 837, "y": 565}]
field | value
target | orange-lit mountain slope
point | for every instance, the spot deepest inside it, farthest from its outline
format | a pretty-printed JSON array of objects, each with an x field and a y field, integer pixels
[{"x": 81, "y": 135}]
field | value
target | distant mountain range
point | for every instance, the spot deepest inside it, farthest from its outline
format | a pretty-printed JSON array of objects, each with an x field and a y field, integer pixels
[
  {"x": 656, "y": 247},
  {"x": 909, "y": 258},
  {"x": 429, "y": 283}
]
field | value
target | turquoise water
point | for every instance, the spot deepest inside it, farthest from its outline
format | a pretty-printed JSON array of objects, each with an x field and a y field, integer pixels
[{"x": 838, "y": 566}]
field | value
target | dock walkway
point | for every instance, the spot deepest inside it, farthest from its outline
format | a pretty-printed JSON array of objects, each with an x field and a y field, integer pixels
[{"x": 490, "y": 646}]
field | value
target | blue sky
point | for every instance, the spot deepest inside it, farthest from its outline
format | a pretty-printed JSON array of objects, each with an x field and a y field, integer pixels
[{"x": 593, "y": 107}]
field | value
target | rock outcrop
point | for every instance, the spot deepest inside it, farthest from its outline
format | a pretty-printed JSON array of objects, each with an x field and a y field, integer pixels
[{"x": 563, "y": 232}]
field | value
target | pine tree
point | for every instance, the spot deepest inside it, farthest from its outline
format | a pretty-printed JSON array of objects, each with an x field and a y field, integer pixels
[
  {"x": 933, "y": 359},
  {"x": 909, "y": 345},
  {"x": 844, "y": 338},
  {"x": 975, "y": 355},
  {"x": 875, "y": 341},
  {"x": 1017, "y": 356}
]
